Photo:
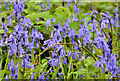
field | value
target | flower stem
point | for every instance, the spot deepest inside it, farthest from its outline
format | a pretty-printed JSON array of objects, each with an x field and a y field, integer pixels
[
  {"x": 63, "y": 44},
  {"x": 62, "y": 67},
  {"x": 70, "y": 63},
  {"x": 6, "y": 64}
]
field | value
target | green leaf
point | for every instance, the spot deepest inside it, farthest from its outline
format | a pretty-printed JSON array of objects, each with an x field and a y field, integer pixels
[
  {"x": 26, "y": 11},
  {"x": 13, "y": 21},
  {"x": 43, "y": 29},
  {"x": 49, "y": 70},
  {"x": 82, "y": 71},
  {"x": 43, "y": 65},
  {"x": 98, "y": 51},
  {"x": 44, "y": 60},
  {"x": 3, "y": 8},
  {"x": 9, "y": 31},
  {"x": 74, "y": 25},
  {"x": 37, "y": 6},
  {"x": 46, "y": 15},
  {"x": 88, "y": 62},
  {"x": 61, "y": 14},
  {"x": 1, "y": 31},
  {"x": 3, "y": 14},
  {"x": 41, "y": 22}
]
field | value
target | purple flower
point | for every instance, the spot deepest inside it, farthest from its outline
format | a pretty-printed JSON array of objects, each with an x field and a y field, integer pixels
[
  {"x": 42, "y": 5},
  {"x": 53, "y": 20},
  {"x": 69, "y": 3},
  {"x": 53, "y": 54},
  {"x": 68, "y": 21},
  {"x": 57, "y": 36},
  {"x": 29, "y": 21},
  {"x": 75, "y": 46},
  {"x": 10, "y": 21},
  {"x": 74, "y": 18},
  {"x": 54, "y": 62},
  {"x": 75, "y": 1},
  {"x": 48, "y": 22},
  {"x": 32, "y": 76},
  {"x": 49, "y": 6},
  {"x": 69, "y": 53},
  {"x": 60, "y": 74},
  {"x": 62, "y": 52},
  {"x": 74, "y": 55},
  {"x": 71, "y": 33},
  {"x": 78, "y": 11},
  {"x": 75, "y": 8},
  {"x": 7, "y": 6},
  {"x": 65, "y": 61},
  {"x": 97, "y": 64},
  {"x": 21, "y": 50},
  {"x": 82, "y": 76},
  {"x": 9, "y": 17}
]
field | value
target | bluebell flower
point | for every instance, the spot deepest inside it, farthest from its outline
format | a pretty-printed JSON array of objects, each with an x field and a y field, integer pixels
[
  {"x": 75, "y": 1},
  {"x": 75, "y": 46},
  {"x": 32, "y": 76},
  {"x": 59, "y": 47},
  {"x": 48, "y": 22},
  {"x": 69, "y": 3},
  {"x": 71, "y": 33},
  {"x": 21, "y": 50},
  {"x": 116, "y": 9},
  {"x": 103, "y": 23},
  {"x": 110, "y": 43},
  {"x": 53, "y": 20},
  {"x": 72, "y": 40},
  {"x": 53, "y": 54},
  {"x": 81, "y": 32},
  {"x": 103, "y": 60},
  {"x": 30, "y": 66},
  {"x": 97, "y": 64},
  {"x": 82, "y": 76},
  {"x": 94, "y": 24},
  {"x": 79, "y": 55},
  {"x": 57, "y": 36},
  {"x": 7, "y": 6},
  {"x": 16, "y": 76},
  {"x": 40, "y": 36},
  {"x": 11, "y": 67},
  {"x": 69, "y": 53},
  {"x": 13, "y": 71},
  {"x": 62, "y": 52},
  {"x": 75, "y": 8},
  {"x": 18, "y": 14},
  {"x": 107, "y": 14},
  {"x": 78, "y": 11},
  {"x": 42, "y": 5},
  {"x": 29, "y": 21},
  {"x": 7, "y": 77},
  {"x": 46, "y": 9},
  {"x": 37, "y": 44},
  {"x": 74, "y": 18},
  {"x": 68, "y": 21},
  {"x": 60, "y": 74},
  {"x": 49, "y": 6},
  {"x": 65, "y": 61},
  {"x": 54, "y": 62},
  {"x": 9, "y": 17},
  {"x": 74, "y": 55},
  {"x": 41, "y": 76},
  {"x": 51, "y": 33},
  {"x": 10, "y": 22},
  {"x": 118, "y": 69}
]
